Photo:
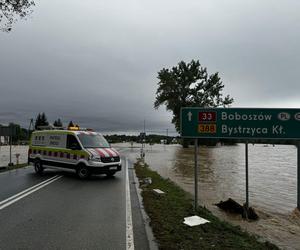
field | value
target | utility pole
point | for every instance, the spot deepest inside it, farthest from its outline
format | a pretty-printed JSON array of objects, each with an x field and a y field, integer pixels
[
  {"x": 167, "y": 136},
  {"x": 145, "y": 130},
  {"x": 144, "y": 136},
  {"x": 30, "y": 125}
]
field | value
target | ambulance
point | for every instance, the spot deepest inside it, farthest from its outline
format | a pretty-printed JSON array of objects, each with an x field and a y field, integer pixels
[{"x": 84, "y": 152}]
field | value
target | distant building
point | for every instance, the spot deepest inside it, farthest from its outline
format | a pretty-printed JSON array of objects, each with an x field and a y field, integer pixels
[
  {"x": 163, "y": 141},
  {"x": 174, "y": 141},
  {"x": 4, "y": 140}
]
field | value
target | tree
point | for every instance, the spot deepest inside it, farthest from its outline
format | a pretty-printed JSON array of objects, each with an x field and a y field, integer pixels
[
  {"x": 37, "y": 121},
  {"x": 41, "y": 120},
  {"x": 11, "y": 10},
  {"x": 44, "y": 120},
  {"x": 189, "y": 85},
  {"x": 57, "y": 123},
  {"x": 71, "y": 124}
]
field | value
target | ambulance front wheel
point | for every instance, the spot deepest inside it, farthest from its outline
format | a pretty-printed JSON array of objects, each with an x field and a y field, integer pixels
[
  {"x": 83, "y": 172},
  {"x": 38, "y": 166}
]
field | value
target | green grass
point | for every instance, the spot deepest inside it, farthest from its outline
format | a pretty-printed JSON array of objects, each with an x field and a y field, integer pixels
[
  {"x": 22, "y": 165},
  {"x": 167, "y": 213}
]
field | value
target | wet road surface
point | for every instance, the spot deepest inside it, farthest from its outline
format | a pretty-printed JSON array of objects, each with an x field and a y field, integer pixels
[{"x": 59, "y": 211}]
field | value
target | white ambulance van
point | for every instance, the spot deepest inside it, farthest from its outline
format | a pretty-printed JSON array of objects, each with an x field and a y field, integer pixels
[{"x": 85, "y": 152}]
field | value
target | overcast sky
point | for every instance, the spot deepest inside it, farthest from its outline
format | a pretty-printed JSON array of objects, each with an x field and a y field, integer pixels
[{"x": 95, "y": 62}]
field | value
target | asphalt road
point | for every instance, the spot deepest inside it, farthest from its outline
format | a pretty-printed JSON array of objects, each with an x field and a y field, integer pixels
[{"x": 59, "y": 211}]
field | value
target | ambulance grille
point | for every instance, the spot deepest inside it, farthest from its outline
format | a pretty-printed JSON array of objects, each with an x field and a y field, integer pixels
[{"x": 110, "y": 159}]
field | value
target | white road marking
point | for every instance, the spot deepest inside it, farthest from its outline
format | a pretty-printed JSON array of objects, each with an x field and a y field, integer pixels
[
  {"x": 7, "y": 202},
  {"x": 26, "y": 190},
  {"x": 129, "y": 227}
]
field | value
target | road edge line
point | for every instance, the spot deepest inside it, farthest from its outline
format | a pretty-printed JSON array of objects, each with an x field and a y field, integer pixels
[
  {"x": 150, "y": 236},
  {"x": 129, "y": 225}
]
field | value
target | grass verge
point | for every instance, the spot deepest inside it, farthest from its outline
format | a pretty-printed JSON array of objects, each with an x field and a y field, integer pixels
[
  {"x": 167, "y": 213},
  {"x": 4, "y": 169}
]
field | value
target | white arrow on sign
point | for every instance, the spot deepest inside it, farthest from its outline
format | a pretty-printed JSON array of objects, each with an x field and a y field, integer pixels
[{"x": 189, "y": 114}]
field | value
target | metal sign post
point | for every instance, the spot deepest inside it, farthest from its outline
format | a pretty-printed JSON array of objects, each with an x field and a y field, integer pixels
[
  {"x": 10, "y": 143},
  {"x": 11, "y": 128},
  {"x": 247, "y": 178},
  {"x": 298, "y": 175},
  {"x": 196, "y": 176}
]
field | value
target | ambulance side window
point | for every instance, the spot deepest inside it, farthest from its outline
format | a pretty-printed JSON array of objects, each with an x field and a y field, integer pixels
[{"x": 72, "y": 143}]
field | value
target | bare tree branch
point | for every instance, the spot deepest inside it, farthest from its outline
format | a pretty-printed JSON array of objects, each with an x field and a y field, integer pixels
[{"x": 13, "y": 10}]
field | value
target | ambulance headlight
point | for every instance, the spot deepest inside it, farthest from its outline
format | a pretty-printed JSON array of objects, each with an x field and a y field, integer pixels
[{"x": 96, "y": 159}]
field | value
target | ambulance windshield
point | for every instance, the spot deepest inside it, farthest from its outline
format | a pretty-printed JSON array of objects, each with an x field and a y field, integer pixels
[{"x": 93, "y": 141}]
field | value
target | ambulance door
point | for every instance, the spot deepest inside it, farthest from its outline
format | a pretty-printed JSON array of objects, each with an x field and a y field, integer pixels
[
  {"x": 73, "y": 148},
  {"x": 57, "y": 148}
]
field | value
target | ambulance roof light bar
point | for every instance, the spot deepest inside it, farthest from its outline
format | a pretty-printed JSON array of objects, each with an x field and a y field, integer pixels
[{"x": 74, "y": 128}]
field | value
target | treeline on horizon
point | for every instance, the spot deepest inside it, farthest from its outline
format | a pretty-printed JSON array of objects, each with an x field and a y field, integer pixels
[
  {"x": 149, "y": 139},
  {"x": 22, "y": 136}
]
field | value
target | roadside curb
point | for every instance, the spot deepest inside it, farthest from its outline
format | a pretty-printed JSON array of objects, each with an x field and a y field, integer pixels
[
  {"x": 5, "y": 169},
  {"x": 151, "y": 239}
]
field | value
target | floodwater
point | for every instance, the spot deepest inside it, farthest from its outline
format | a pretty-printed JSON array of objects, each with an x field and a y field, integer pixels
[
  {"x": 272, "y": 173},
  {"x": 272, "y": 183}
]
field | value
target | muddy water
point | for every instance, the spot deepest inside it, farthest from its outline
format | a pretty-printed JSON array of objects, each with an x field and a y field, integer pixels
[
  {"x": 272, "y": 173},
  {"x": 272, "y": 183}
]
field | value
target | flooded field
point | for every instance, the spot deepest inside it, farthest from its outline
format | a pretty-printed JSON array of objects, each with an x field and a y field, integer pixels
[
  {"x": 4, "y": 154},
  {"x": 272, "y": 173},
  {"x": 272, "y": 183}
]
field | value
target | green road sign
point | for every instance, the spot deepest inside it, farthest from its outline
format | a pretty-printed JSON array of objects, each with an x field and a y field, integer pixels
[
  {"x": 8, "y": 130},
  {"x": 240, "y": 123}
]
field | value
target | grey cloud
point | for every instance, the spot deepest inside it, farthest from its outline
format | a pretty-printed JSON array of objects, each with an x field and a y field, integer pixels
[{"x": 96, "y": 62}]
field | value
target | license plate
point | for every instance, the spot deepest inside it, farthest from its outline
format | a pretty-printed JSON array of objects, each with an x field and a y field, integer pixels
[{"x": 113, "y": 168}]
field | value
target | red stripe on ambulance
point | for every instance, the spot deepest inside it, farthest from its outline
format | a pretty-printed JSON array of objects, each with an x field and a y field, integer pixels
[
  {"x": 100, "y": 152},
  {"x": 108, "y": 151},
  {"x": 112, "y": 151},
  {"x": 116, "y": 152}
]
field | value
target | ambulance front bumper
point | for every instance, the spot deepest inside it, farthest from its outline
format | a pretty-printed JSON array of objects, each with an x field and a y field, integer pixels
[
  {"x": 105, "y": 169},
  {"x": 99, "y": 164}
]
